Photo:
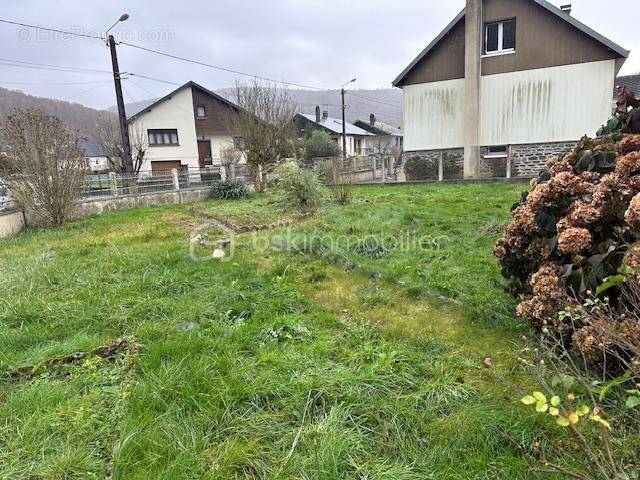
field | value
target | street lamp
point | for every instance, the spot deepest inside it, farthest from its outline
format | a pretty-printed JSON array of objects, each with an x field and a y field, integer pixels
[
  {"x": 122, "y": 116},
  {"x": 123, "y": 18},
  {"x": 344, "y": 125}
]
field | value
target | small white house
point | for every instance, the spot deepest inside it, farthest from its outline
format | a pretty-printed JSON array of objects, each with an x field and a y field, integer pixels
[
  {"x": 188, "y": 128},
  {"x": 95, "y": 157},
  {"x": 356, "y": 137}
]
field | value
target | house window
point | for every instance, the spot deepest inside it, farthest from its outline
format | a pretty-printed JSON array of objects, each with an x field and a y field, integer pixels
[
  {"x": 201, "y": 111},
  {"x": 163, "y": 137},
  {"x": 498, "y": 151},
  {"x": 500, "y": 37}
]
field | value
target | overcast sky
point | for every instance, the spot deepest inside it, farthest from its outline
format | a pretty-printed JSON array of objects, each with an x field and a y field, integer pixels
[{"x": 321, "y": 43}]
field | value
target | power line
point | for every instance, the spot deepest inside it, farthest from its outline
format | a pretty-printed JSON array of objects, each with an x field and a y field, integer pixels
[
  {"x": 51, "y": 83},
  {"x": 90, "y": 89},
  {"x": 55, "y": 30},
  {"x": 149, "y": 78},
  {"x": 217, "y": 67},
  {"x": 374, "y": 100}
]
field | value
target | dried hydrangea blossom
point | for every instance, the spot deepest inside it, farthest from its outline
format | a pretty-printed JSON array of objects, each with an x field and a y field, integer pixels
[
  {"x": 525, "y": 220},
  {"x": 541, "y": 248},
  {"x": 546, "y": 281},
  {"x": 632, "y": 258},
  {"x": 582, "y": 214},
  {"x": 559, "y": 167},
  {"x": 632, "y": 215},
  {"x": 630, "y": 143},
  {"x": 590, "y": 342},
  {"x": 606, "y": 190},
  {"x": 539, "y": 197},
  {"x": 629, "y": 164},
  {"x": 574, "y": 240}
]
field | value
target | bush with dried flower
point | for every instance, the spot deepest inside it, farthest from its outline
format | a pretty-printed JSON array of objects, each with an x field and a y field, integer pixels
[{"x": 578, "y": 226}]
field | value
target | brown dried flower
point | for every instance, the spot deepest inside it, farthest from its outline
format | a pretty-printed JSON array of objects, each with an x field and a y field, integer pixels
[
  {"x": 574, "y": 240},
  {"x": 628, "y": 144},
  {"x": 632, "y": 215}
]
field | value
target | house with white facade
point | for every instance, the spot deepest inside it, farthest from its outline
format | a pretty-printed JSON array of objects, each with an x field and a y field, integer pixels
[
  {"x": 508, "y": 82},
  {"x": 356, "y": 137},
  {"x": 387, "y": 139},
  {"x": 95, "y": 156},
  {"x": 187, "y": 128}
]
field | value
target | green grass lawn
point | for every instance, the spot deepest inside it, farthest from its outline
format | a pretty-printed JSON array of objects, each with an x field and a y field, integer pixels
[{"x": 345, "y": 358}]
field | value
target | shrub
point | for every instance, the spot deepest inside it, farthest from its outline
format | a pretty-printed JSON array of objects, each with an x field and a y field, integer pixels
[
  {"x": 342, "y": 191},
  {"x": 419, "y": 168},
  {"x": 300, "y": 188},
  {"x": 43, "y": 166},
  {"x": 577, "y": 227},
  {"x": 228, "y": 190},
  {"x": 320, "y": 144},
  {"x": 598, "y": 413}
]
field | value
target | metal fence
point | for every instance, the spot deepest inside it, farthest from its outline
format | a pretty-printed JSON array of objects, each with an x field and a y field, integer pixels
[{"x": 112, "y": 184}]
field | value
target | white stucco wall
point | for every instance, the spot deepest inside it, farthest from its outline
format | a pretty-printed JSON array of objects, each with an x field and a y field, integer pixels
[
  {"x": 176, "y": 112},
  {"x": 553, "y": 104}
]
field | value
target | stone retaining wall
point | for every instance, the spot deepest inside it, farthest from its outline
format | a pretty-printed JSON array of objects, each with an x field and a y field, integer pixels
[
  {"x": 526, "y": 160},
  {"x": 12, "y": 223}
]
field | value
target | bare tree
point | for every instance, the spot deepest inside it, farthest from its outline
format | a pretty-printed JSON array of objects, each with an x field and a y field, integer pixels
[
  {"x": 265, "y": 125},
  {"x": 230, "y": 156},
  {"x": 44, "y": 166},
  {"x": 107, "y": 134}
]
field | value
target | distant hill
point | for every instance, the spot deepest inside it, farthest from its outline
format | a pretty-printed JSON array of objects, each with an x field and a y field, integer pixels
[
  {"x": 76, "y": 115},
  {"x": 385, "y": 103}
]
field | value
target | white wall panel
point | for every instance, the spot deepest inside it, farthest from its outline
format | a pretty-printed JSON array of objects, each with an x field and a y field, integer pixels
[
  {"x": 553, "y": 104},
  {"x": 546, "y": 105},
  {"x": 433, "y": 115}
]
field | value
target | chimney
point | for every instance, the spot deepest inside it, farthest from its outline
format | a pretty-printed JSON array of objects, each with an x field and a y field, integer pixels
[
  {"x": 317, "y": 114},
  {"x": 472, "y": 74},
  {"x": 325, "y": 115},
  {"x": 372, "y": 119},
  {"x": 566, "y": 8}
]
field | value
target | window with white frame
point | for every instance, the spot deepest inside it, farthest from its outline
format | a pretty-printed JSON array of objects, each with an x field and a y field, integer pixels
[
  {"x": 500, "y": 37},
  {"x": 201, "y": 111},
  {"x": 163, "y": 137}
]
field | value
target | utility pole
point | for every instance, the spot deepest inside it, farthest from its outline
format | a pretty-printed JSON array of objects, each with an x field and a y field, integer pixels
[
  {"x": 122, "y": 116},
  {"x": 344, "y": 132},
  {"x": 344, "y": 124}
]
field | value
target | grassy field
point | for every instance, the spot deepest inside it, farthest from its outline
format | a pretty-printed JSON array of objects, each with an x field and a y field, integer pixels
[{"x": 352, "y": 350}]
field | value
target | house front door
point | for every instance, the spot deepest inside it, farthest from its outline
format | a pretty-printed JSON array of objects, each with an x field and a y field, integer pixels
[{"x": 204, "y": 153}]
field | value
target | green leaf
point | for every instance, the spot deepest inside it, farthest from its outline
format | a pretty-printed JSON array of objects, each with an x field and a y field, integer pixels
[
  {"x": 601, "y": 421},
  {"x": 542, "y": 407},
  {"x": 554, "y": 412},
  {"x": 540, "y": 397},
  {"x": 614, "y": 383},
  {"x": 555, "y": 400},
  {"x": 610, "y": 282},
  {"x": 633, "y": 402},
  {"x": 583, "y": 410},
  {"x": 563, "y": 421},
  {"x": 528, "y": 400}
]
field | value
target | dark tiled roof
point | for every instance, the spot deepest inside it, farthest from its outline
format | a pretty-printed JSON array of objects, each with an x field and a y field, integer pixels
[
  {"x": 632, "y": 82},
  {"x": 92, "y": 149}
]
